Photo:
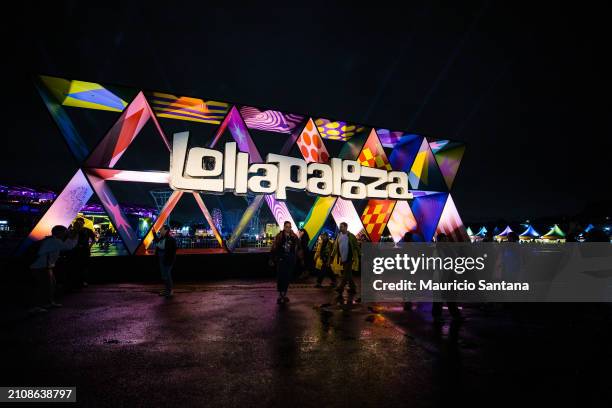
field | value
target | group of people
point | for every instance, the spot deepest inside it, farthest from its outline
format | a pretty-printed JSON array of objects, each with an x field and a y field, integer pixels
[
  {"x": 74, "y": 243},
  {"x": 43, "y": 257},
  {"x": 290, "y": 251}
]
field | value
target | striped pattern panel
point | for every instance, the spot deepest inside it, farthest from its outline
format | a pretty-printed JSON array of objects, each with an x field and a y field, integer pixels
[
  {"x": 270, "y": 120},
  {"x": 185, "y": 108}
]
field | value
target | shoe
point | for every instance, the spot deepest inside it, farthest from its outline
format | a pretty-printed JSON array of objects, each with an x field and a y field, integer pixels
[
  {"x": 318, "y": 285},
  {"x": 55, "y": 305}
]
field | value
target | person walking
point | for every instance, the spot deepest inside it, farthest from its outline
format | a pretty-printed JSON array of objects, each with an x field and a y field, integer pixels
[
  {"x": 165, "y": 250},
  {"x": 44, "y": 264},
  {"x": 346, "y": 251},
  {"x": 284, "y": 255},
  {"x": 407, "y": 238},
  {"x": 436, "y": 307},
  {"x": 306, "y": 263},
  {"x": 80, "y": 255},
  {"x": 322, "y": 259}
]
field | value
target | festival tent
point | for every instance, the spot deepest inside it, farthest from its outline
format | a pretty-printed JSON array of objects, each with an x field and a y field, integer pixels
[
  {"x": 588, "y": 228},
  {"x": 469, "y": 232},
  {"x": 482, "y": 233},
  {"x": 529, "y": 234},
  {"x": 555, "y": 234},
  {"x": 502, "y": 236}
]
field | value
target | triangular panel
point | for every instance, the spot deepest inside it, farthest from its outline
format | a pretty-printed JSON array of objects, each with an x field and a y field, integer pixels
[
  {"x": 450, "y": 223},
  {"x": 118, "y": 139},
  {"x": 401, "y": 221},
  {"x": 375, "y": 217},
  {"x": 448, "y": 155},
  {"x": 427, "y": 210},
  {"x": 64, "y": 209}
]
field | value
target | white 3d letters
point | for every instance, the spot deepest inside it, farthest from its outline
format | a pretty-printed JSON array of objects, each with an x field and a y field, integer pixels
[
  {"x": 286, "y": 166},
  {"x": 208, "y": 170}
]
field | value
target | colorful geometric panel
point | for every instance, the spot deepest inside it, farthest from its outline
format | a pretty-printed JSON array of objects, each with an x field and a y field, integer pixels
[
  {"x": 372, "y": 154},
  {"x": 123, "y": 133},
  {"x": 344, "y": 211},
  {"x": 317, "y": 216},
  {"x": 389, "y": 138},
  {"x": 401, "y": 221},
  {"x": 186, "y": 108},
  {"x": 405, "y": 151},
  {"x": 64, "y": 208},
  {"x": 270, "y": 120},
  {"x": 237, "y": 128},
  {"x": 448, "y": 155},
  {"x": 427, "y": 210},
  {"x": 424, "y": 172},
  {"x": 311, "y": 145},
  {"x": 375, "y": 217},
  {"x": 83, "y": 94},
  {"x": 337, "y": 130},
  {"x": 450, "y": 223},
  {"x": 233, "y": 241},
  {"x": 75, "y": 142}
]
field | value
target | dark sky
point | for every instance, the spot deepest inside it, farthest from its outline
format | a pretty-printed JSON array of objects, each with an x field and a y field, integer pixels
[{"x": 527, "y": 88}]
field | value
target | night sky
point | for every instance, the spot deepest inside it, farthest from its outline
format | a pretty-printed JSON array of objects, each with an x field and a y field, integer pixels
[{"x": 527, "y": 89}]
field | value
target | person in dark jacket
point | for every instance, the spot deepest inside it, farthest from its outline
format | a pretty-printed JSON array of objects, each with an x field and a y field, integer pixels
[
  {"x": 285, "y": 253},
  {"x": 436, "y": 307},
  {"x": 306, "y": 264},
  {"x": 80, "y": 255},
  {"x": 323, "y": 260},
  {"x": 165, "y": 250},
  {"x": 406, "y": 239}
]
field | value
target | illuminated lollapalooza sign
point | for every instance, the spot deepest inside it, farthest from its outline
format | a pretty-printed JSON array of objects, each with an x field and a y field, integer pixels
[
  {"x": 380, "y": 181},
  {"x": 211, "y": 171}
]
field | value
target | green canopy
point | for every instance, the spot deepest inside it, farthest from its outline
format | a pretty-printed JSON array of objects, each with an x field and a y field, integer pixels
[{"x": 554, "y": 233}]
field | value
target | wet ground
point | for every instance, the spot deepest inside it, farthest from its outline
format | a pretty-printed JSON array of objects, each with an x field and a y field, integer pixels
[{"x": 229, "y": 344}]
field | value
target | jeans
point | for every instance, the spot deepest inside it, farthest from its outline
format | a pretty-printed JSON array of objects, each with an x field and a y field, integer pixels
[
  {"x": 347, "y": 278},
  {"x": 284, "y": 272}
]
